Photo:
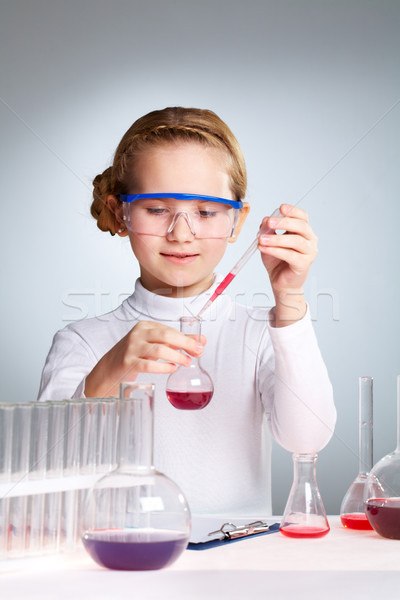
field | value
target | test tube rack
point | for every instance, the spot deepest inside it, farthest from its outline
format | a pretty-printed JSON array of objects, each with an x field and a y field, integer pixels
[{"x": 51, "y": 454}]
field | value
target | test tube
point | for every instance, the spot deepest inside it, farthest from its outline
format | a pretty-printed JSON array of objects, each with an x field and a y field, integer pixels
[
  {"x": 106, "y": 454},
  {"x": 88, "y": 446},
  {"x": 6, "y": 430},
  {"x": 19, "y": 472},
  {"x": 69, "y": 517},
  {"x": 37, "y": 471},
  {"x": 88, "y": 437},
  {"x": 55, "y": 461}
]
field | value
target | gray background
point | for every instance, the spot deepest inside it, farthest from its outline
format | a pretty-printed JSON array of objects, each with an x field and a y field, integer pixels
[{"x": 312, "y": 91}]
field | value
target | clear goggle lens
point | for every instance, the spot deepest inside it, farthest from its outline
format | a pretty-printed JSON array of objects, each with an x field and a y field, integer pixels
[{"x": 159, "y": 217}]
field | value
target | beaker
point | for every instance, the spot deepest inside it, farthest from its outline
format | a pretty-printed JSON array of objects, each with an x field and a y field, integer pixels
[
  {"x": 304, "y": 514},
  {"x": 136, "y": 518},
  {"x": 190, "y": 388},
  {"x": 352, "y": 510},
  {"x": 382, "y": 490}
]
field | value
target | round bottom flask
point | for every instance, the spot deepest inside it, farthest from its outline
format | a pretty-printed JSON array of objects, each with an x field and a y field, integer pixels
[
  {"x": 136, "y": 518},
  {"x": 382, "y": 492},
  {"x": 304, "y": 514},
  {"x": 190, "y": 388}
]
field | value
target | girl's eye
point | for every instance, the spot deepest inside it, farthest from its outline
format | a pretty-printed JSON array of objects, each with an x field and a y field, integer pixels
[
  {"x": 206, "y": 214},
  {"x": 157, "y": 211}
]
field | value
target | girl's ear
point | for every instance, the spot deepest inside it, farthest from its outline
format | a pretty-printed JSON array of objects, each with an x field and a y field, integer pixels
[
  {"x": 116, "y": 208},
  {"x": 243, "y": 212}
]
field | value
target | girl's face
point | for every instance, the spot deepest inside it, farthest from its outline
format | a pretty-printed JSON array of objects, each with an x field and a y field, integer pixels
[{"x": 178, "y": 264}]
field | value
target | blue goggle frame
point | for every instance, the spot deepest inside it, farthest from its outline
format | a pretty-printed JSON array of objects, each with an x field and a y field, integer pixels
[{"x": 132, "y": 197}]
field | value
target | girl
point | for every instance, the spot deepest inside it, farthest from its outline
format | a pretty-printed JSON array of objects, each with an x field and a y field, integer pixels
[{"x": 175, "y": 189}]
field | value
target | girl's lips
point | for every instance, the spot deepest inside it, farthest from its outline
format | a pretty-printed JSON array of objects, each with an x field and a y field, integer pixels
[{"x": 180, "y": 259}]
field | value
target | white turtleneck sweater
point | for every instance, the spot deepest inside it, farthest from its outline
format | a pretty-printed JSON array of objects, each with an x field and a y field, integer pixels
[{"x": 266, "y": 381}]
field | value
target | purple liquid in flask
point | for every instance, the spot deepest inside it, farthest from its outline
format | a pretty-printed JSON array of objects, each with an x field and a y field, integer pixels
[
  {"x": 134, "y": 550},
  {"x": 135, "y": 517}
]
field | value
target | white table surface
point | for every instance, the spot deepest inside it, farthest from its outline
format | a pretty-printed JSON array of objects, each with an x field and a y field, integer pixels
[{"x": 343, "y": 564}]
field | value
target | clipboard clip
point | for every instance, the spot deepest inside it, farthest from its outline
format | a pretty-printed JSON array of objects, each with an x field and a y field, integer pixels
[{"x": 229, "y": 531}]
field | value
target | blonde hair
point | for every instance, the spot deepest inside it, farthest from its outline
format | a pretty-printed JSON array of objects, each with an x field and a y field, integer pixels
[{"x": 160, "y": 127}]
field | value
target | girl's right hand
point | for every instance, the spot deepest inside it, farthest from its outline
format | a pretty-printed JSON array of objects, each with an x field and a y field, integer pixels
[{"x": 149, "y": 347}]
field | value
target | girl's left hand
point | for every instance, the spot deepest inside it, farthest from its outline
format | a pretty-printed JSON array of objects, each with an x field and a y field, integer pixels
[{"x": 288, "y": 257}]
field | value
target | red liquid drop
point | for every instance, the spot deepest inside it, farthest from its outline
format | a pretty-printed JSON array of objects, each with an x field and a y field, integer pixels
[
  {"x": 355, "y": 521},
  {"x": 189, "y": 400},
  {"x": 303, "y": 531},
  {"x": 384, "y": 516},
  {"x": 108, "y": 550}
]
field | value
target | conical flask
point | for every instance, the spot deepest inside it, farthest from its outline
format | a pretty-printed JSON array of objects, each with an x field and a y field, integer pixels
[
  {"x": 304, "y": 514},
  {"x": 135, "y": 517},
  {"x": 382, "y": 490},
  {"x": 352, "y": 510},
  {"x": 190, "y": 388}
]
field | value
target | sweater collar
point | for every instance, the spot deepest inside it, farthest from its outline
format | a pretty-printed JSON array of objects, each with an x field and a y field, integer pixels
[{"x": 155, "y": 307}]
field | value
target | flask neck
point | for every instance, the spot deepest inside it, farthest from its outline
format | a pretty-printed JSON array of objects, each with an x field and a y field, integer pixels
[
  {"x": 191, "y": 326},
  {"x": 365, "y": 440},
  {"x": 398, "y": 414},
  {"x": 304, "y": 467},
  {"x": 135, "y": 434}
]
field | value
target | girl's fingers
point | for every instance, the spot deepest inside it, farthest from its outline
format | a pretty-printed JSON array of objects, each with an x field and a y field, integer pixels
[
  {"x": 156, "y": 333},
  {"x": 154, "y": 366},
  {"x": 289, "y": 210},
  {"x": 297, "y": 261},
  {"x": 294, "y": 220},
  {"x": 293, "y": 242},
  {"x": 164, "y": 353},
  {"x": 290, "y": 225}
]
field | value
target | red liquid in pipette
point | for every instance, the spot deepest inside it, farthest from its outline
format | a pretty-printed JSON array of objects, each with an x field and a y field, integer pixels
[
  {"x": 220, "y": 288},
  {"x": 189, "y": 400},
  {"x": 355, "y": 521},
  {"x": 303, "y": 531}
]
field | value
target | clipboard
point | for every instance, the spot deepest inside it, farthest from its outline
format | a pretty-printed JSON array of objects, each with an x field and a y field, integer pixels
[{"x": 231, "y": 532}]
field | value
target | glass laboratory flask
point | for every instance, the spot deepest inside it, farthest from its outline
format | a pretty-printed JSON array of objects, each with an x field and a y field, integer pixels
[
  {"x": 304, "y": 514},
  {"x": 136, "y": 518},
  {"x": 190, "y": 388},
  {"x": 382, "y": 490},
  {"x": 352, "y": 510}
]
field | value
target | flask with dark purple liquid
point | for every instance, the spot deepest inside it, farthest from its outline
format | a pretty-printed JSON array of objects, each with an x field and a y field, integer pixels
[
  {"x": 382, "y": 490},
  {"x": 136, "y": 518}
]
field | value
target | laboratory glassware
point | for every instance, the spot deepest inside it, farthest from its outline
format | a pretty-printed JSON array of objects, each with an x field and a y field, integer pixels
[
  {"x": 136, "y": 518},
  {"x": 6, "y": 430},
  {"x": 18, "y": 529},
  {"x": 36, "y": 517},
  {"x": 304, "y": 515},
  {"x": 70, "y": 529},
  {"x": 352, "y": 510},
  {"x": 191, "y": 387},
  {"x": 54, "y": 470},
  {"x": 239, "y": 265},
  {"x": 382, "y": 490}
]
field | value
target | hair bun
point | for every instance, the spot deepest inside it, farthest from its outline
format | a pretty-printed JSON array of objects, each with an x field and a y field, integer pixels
[{"x": 102, "y": 187}]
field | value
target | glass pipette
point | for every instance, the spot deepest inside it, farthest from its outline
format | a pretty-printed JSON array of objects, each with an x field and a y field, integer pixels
[{"x": 238, "y": 266}]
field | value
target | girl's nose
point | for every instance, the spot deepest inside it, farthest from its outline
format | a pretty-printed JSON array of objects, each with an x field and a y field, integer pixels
[{"x": 181, "y": 227}]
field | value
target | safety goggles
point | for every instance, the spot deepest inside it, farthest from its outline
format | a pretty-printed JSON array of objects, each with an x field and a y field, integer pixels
[{"x": 206, "y": 217}]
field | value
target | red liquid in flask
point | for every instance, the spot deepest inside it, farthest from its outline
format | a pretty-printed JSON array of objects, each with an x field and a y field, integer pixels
[
  {"x": 119, "y": 550},
  {"x": 384, "y": 516},
  {"x": 189, "y": 400},
  {"x": 355, "y": 521},
  {"x": 303, "y": 531}
]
